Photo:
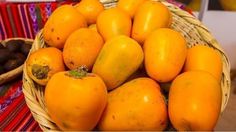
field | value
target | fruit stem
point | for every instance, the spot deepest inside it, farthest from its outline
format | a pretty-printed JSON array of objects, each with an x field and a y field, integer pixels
[{"x": 79, "y": 72}]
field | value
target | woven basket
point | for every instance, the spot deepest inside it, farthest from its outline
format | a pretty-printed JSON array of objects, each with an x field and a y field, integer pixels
[
  {"x": 191, "y": 28},
  {"x": 10, "y": 75}
]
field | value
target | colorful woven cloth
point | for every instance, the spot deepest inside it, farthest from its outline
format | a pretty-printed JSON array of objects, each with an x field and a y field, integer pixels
[
  {"x": 14, "y": 113},
  {"x": 24, "y": 19}
]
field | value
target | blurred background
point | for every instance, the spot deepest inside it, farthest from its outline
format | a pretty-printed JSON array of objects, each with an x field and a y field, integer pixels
[{"x": 227, "y": 5}]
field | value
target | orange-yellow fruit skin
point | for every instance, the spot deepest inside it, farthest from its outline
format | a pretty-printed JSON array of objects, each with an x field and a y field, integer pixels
[
  {"x": 150, "y": 15},
  {"x": 113, "y": 22},
  {"x": 165, "y": 52},
  {"x": 75, "y": 104},
  {"x": 90, "y": 9},
  {"x": 194, "y": 101},
  {"x": 51, "y": 58},
  {"x": 62, "y": 22},
  {"x": 134, "y": 106},
  {"x": 129, "y": 6},
  {"x": 82, "y": 48},
  {"x": 204, "y": 58}
]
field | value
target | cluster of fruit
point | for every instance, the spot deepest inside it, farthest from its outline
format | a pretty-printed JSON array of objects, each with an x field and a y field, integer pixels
[
  {"x": 104, "y": 68},
  {"x": 13, "y": 54}
]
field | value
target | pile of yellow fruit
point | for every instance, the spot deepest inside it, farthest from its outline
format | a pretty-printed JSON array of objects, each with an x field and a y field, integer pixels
[{"x": 104, "y": 69}]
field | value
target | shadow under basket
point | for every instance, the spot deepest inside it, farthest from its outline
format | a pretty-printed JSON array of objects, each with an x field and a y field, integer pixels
[{"x": 190, "y": 27}]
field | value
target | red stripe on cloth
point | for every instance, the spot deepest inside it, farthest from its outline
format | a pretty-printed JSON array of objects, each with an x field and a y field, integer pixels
[
  {"x": 24, "y": 120},
  {"x": 23, "y": 23},
  {"x": 10, "y": 111},
  {"x": 3, "y": 30},
  {"x": 54, "y": 6},
  {"x": 10, "y": 17},
  {"x": 34, "y": 126},
  {"x": 30, "y": 20},
  {"x": 6, "y": 20},
  {"x": 17, "y": 22},
  {"x": 29, "y": 27},
  {"x": 10, "y": 91},
  {"x": 38, "y": 128},
  {"x": 16, "y": 119},
  {"x": 43, "y": 12},
  {"x": 26, "y": 125}
]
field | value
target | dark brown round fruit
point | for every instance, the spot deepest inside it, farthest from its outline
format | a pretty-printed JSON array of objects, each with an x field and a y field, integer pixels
[
  {"x": 1, "y": 69},
  {"x": 25, "y": 48},
  {"x": 4, "y": 55},
  {"x": 20, "y": 57},
  {"x": 11, "y": 64},
  {"x": 14, "y": 45}
]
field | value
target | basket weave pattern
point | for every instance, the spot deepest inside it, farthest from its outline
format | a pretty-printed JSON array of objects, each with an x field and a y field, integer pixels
[{"x": 190, "y": 27}]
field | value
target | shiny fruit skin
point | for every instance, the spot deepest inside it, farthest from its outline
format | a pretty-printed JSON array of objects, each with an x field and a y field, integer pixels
[
  {"x": 62, "y": 22},
  {"x": 75, "y": 103},
  {"x": 42, "y": 64},
  {"x": 194, "y": 101},
  {"x": 165, "y": 52},
  {"x": 119, "y": 58},
  {"x": 82, "y": 48},
  {"x": 129, "y": 6},
  {"x": 204, "y": 58},
  {"x": 150, "y": 15},
  {"x": 113, "y": 22},
  {"x": 136, "y": 105},
  {"x": 90, "y": 9}
]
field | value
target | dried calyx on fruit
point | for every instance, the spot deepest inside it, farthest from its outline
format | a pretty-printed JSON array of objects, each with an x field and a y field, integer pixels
[{"x": 78, "y": 73}]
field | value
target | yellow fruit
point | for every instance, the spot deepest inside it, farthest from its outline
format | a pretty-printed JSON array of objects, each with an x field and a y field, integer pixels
[
  {"x": 82, "y": 48},
  {"x": 195, "y": 5},
  {"x": 150, "y": 15},
  {"x": 93, "y": 27},
  {"x": 165, "y": 51},
  {"x": 204, "y": 58},
  {"x": 42, "y": 64},
  {"x": 90, "y": 9},
  {"x": 134, "y": 106},
  {"x": 194, "y": 101},
  {"x": 62, "y": 22},
  {"x": 228, "y": 4},
  {"x": 129, "y": 6},
  {"x": 75, "y": 100},
  {"x": 119, "y": 58},
  {"x": 113, "y": 22}
]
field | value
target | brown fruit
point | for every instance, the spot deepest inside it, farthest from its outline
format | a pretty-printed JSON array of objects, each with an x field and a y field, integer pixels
[
  {"x": 25, "y": 48},
  {"x": 4, "y": 55},
  {"x": 11, "y": 64},
  {"x": 14, "y": 45}
]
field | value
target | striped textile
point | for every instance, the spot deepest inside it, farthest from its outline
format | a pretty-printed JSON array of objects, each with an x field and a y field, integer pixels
[
  {"x": 25, "y": 19},
  {"x": 3, "y": 33},
  {"x": 15, "y": 116},
  {"x": 8, "y": 93},
  {"x": 5, "y": 19}
]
